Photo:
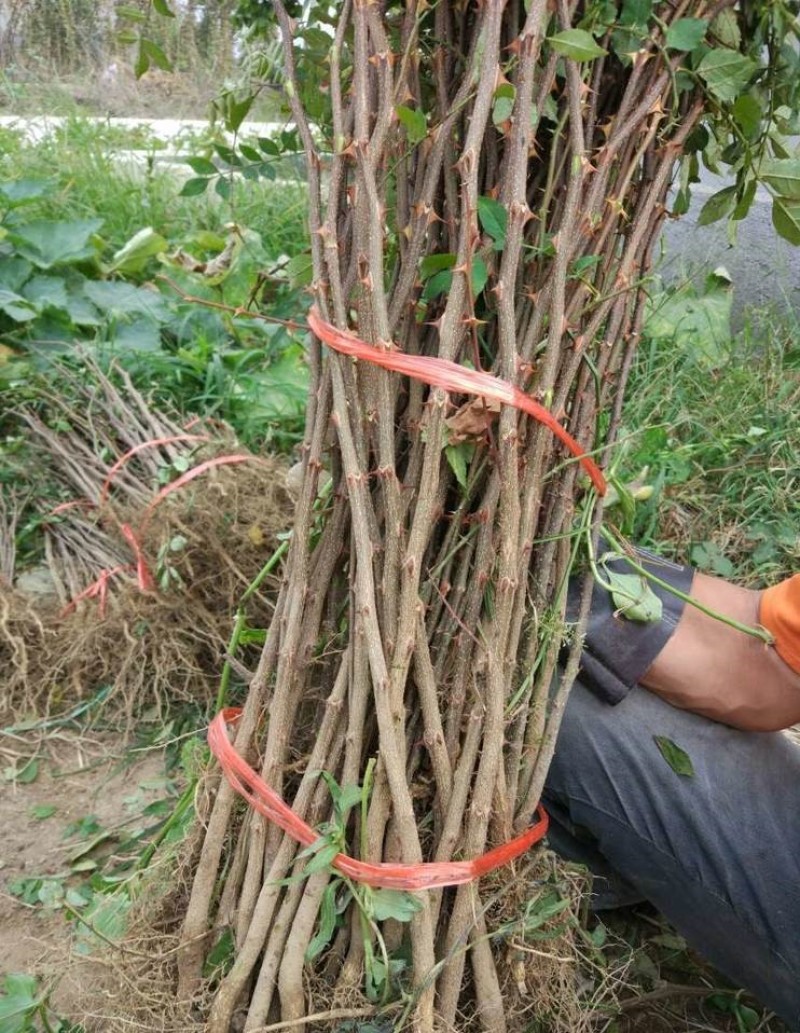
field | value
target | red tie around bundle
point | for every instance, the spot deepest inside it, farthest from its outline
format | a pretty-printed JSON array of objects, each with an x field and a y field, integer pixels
[{"x": 426, "y": 876}]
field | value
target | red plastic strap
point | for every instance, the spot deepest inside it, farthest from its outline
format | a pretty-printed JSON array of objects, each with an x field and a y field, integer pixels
[
  {"x": 452, "y": 377},
  {"x": 390, "y": 876}
]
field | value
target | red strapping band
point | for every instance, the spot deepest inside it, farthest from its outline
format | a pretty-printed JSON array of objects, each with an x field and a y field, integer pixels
[
  {"x": 452, "y": 377},
  {"x": 425, "y": 876}
]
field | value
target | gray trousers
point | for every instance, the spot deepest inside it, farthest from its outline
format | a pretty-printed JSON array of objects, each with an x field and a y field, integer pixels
[{"x": 718, "y": 853}]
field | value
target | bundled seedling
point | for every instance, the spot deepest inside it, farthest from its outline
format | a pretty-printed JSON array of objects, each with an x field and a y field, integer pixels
[{"x": 487, "y": 182}]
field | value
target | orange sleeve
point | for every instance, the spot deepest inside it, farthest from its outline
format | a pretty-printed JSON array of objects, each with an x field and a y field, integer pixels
[{"x": 780, "y": 615}]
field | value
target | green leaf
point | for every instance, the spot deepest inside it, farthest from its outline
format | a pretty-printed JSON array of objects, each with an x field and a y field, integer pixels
[
  {"x": 269, "y": 147},
  {"x": 134, "y": 255},
  {"x": 18, "y": 192},
  {"x": 300, "y": 269},
  {"x": 20, "y": 1000},
  {"x": 202, "y": 166},
  {"x": 223, "y": 188},
  {"x": 162, "y": 7},
  {"x": 322, "y": 858},
  {"x": 42, "y": 811},
  {"x": 414, "y": 122},
  {"x": 708, "y": 556},
  {"x": 725, "y": 28},
  {"x": 437, "y": 284},
  {"x": 503, "y": 105},
  {"x": 726, "y": 73},
  {"x": 456, "y": 456},
  {"x": 717, "y": 206},
  {"x": 327, "y": 923},
  {"x": 686, "y": 33},
  {"x": 140, "y": 335},
  {"x": 194, "y": 187},
  {"x": 47, "y": 243},
  {"x": 480, "y": 274},
  {"x": 677, "y": 758},
  {"x": 431, "y": 264},
  {"x": 786, "y": 218},
  {"x": 235, "y": 110},
  {"x": 156, "y": 55},
  {"x": 125, "y": 299},
  {"x": 127, "y": 37},
  {"x": 577, "y": 44},
  {"x": 745, "y": 202},
  {"x": 397, "y": 904},
  {"x": 494, "y": 221},
  {"x": 747, "y": 114},
  {"x": 29, "y": 773},
  {"x": 251, "y": 153},
  {"x": 130, "y": 14},
  {"x": 633, "y": 597},
  {"x": 47, "y": 292},
  {"x": 16, "y": 307},
  {"x": 142, "y": 62},
  {"x": 783, "y": 175}
]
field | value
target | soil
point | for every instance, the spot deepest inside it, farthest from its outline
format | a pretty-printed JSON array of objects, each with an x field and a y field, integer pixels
[{"x": 80, "y": 775}]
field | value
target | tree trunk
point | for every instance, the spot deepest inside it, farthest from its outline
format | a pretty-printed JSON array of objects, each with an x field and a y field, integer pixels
[{"x": 486, "y": 187}]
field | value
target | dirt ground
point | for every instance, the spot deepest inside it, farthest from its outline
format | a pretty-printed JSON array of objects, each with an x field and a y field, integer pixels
[{"x": 86, "y": 790}]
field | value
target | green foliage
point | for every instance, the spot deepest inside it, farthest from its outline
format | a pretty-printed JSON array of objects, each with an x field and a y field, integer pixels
[
  {"x": 25, "y": 1008},
  {"x": 713, "y": 418},
  {"x": 677, "y": 758}
]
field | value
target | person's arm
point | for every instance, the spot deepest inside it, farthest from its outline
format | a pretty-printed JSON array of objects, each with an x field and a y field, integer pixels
[{"x": 715, "y": 670}]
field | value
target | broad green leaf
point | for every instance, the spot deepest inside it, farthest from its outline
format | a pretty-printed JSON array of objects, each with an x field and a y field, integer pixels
[
  {"x": 786, "y": 218},
  {"x": 108, "y": 914},
  {"x": 47, "y": 292},
  {"x": 677, "y": 758},
  {"x": 633, "y": 597},
  {"x": 577, "y": 44},
  {"x": 140, "y": 335},
  {"x": 223, "y": 188},
  {"x": 14, "y": 271},
  {"x": 397, "y": 904},
  {"x": 699, "y": 326},
  {"x": 686, "y": 33},
  {"x": 162, "y": 7},
  {"x": 19, "y": 1002},
  {"x": 269, "y": 147},
  {"x": 251, "y": 153},
  {"x": 29, "y": 773},
  {"x": 156, "y": 55},
  {"x": 125, "y": 299},
  {"x": 783, "y": 175},
  {"x": 717, "y": 206},
  {"x": 494, "y": 220},
  {"x": 18, "y": 192},
  {"x": 127, "y": 37},
  {"x": 480, "y": 274},
  {"x": 195, "y": 186},
  {"x": 133, "y": 256},
  {"x": 47, "y": 243},
  {"x": 726, "y": 73},
  {"x": 16, "y": 307},
  {"x": 414, "y": 122},
  {"x": 431, "y": 264}
]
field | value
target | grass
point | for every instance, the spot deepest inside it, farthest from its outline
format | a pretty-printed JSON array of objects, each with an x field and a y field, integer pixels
[{"x": 720, "y": 443}]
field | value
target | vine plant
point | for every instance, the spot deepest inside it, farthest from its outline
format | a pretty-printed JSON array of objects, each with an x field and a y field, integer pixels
[{"x": 487, "y": 181}]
